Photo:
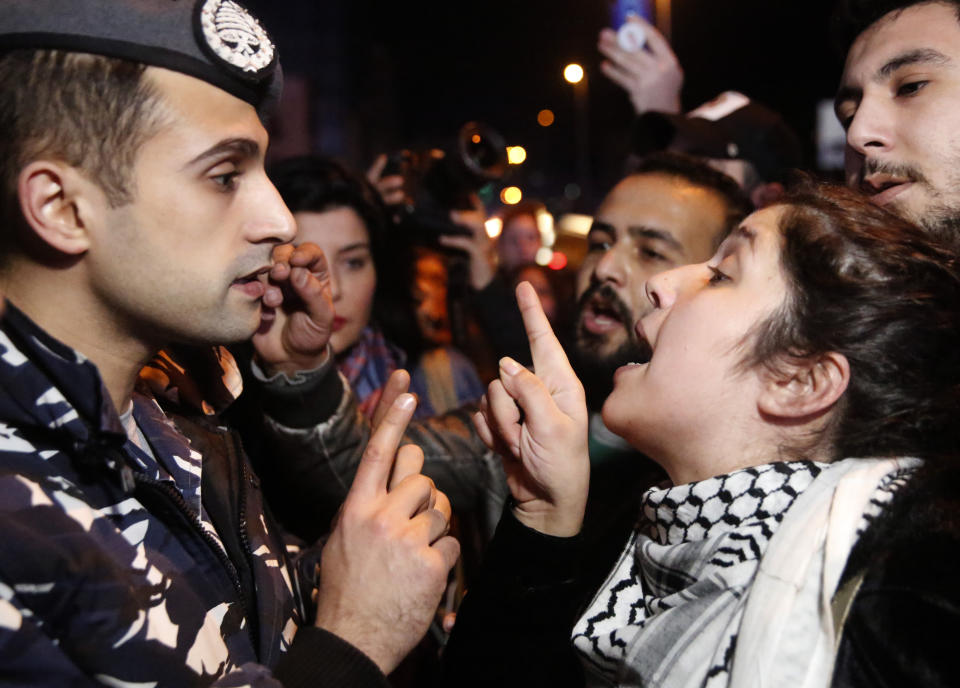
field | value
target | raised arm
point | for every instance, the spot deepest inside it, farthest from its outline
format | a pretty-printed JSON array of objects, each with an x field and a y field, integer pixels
[
  {"x": 537, "y": 421},
  {"x": 385, "y": 565}
]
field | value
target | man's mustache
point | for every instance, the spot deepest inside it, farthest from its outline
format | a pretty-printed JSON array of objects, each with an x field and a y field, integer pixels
[
  {"x": 603, "y": 295},
  {"x": 900, "y": 170}
]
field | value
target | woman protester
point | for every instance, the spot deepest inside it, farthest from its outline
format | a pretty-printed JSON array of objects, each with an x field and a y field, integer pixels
[{"x": 801, "y": 393}]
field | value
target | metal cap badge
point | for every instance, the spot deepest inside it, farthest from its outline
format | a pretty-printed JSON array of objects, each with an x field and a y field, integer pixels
[{"x": 218, "y": 41}]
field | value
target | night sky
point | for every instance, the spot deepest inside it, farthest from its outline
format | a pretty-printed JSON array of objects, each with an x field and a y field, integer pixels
[{"x": 401, "y": 74}]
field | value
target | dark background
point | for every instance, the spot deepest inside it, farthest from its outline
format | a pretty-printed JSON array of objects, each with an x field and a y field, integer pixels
[{"x": 388, "y": 75}]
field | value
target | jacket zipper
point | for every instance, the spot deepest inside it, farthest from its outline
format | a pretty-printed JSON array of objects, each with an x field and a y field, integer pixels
[
  {"x": 254, "y": 619},
  {"x": 181, "y": 504}
]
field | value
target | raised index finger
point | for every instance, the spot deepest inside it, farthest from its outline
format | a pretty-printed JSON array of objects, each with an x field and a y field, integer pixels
[
  {"x": 373, "y": 472},
  {"x": 397, "y": 384},
  {"x": 545, "y": 350}
]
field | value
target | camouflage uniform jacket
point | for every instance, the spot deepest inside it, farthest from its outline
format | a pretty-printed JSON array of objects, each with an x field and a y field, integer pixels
[{"x": 126, "y": 569}]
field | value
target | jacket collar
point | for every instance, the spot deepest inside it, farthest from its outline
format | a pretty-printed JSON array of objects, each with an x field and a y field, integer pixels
[{"x": 47, "y": 385}]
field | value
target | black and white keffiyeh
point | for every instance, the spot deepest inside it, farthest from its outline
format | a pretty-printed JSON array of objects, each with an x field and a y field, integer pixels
[{"x": 670, "y": 611}]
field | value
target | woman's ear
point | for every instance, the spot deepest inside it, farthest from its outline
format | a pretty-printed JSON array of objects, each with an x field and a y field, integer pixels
[
  {"x": 804, "y": 387},
  {"x": 57, "y": 202}
]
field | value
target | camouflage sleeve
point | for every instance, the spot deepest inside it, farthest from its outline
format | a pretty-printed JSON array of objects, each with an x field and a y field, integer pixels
[{"x": 30, "y": 657}]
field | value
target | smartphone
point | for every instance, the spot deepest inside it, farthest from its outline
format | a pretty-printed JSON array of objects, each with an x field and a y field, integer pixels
[
  {"x": 621, "y": 8},
  {"x": 630, "y": 36}
]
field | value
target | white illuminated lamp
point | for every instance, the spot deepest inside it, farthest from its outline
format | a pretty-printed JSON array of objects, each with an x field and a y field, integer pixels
[
  {"x": 544, "y": 255},
  {"x": 548, "y": 235},
  {"x": 516, "y": 155},
  {"x": 573, "y": 73},
  {"x": 493, "y": 226},
  {"x": 576, "y": 224},
  {"x": 511, "y": 195}
]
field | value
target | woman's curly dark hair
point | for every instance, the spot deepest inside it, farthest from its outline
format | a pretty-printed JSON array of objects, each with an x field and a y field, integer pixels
[{"x": 870, "y": 285}]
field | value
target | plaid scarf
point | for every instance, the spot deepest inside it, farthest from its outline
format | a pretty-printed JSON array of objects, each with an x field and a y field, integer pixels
[
  {"x": 367, "y": 365},
  {"x": 670, "y": 611}
]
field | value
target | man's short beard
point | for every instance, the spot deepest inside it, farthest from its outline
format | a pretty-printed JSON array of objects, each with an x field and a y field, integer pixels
[
  {"x": 943, "y": 223},
  {"x": 940, "y": 220},
  {"x": 596, "y": 369}
]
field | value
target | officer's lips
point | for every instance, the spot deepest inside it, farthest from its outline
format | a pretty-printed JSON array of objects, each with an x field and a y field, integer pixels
[{"x": 252, "y": 284}]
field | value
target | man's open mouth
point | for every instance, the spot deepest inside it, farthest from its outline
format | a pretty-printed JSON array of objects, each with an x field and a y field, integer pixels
[{"x": 600, "y": 316}]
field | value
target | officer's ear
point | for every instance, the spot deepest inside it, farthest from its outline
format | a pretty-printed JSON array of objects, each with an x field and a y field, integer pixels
[{"x": 59, "y": 204}]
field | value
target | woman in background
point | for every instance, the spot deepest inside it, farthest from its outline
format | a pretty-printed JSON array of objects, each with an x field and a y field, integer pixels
[{"x": 372, "y": 273}]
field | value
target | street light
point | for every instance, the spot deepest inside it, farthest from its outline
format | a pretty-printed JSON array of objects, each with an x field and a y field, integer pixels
[
  {"x": 516, "y": 155},
  {"x": 575, "y": 76},
  {"x": 511, "y": 195},
  {"x": 494, "y": 227},
  {"x": 573, "y": 73},
  {"x": 545, "y": 118}
]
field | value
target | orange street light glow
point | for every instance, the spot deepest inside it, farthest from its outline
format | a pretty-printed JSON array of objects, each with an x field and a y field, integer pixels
[{"x": 545, "y": 118}]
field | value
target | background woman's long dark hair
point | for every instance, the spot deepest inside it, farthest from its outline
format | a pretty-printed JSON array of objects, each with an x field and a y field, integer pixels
[{"x": 317, "y": 184}]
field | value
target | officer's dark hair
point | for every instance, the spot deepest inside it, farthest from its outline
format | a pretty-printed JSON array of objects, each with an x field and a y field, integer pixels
[
  {"x": 870, "y": 285},
  {"x": 88, "y": 111},
  {"x": 852, "y": 17},
  {"x": 698, "y": 173}
]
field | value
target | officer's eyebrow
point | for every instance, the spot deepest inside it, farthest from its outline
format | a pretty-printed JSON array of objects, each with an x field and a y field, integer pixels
[{"x": 242, "y": 147}]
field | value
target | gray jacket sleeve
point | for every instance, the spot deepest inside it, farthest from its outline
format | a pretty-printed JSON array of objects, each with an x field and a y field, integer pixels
[{"x": 317, "y": 456}]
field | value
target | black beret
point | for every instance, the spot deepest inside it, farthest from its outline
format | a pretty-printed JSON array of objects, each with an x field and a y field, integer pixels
[{"x": 218, "y": 41}]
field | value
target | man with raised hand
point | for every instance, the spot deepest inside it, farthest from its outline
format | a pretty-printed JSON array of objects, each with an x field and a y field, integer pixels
[
  {"x": 136, "y": 215},
  {"x": 733, "y": 133}
]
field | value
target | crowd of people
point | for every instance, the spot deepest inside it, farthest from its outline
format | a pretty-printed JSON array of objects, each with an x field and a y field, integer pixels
[{"x": 259, "y": 429}]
